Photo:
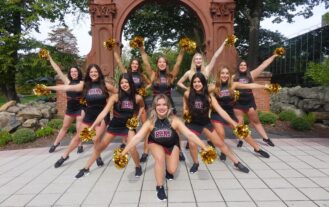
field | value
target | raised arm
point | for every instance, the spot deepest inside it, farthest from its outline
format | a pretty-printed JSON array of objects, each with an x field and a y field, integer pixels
[
  {"x": 221, "y": 111},
  {"x": 177, "y": 124},
  {"x": 77, "y": 87},
  {"x": 256, "y": 72},
  {"x": 111, "y": 88},
  {"x": 185, "y": 101},
  {"x": 144, "y": 131},
  {"x": 119, "y": 62},
  {"x": 58, "y": 70},
  {"x": 211, "y": 65},
  {"x": 110, "y": 102},
  {"x": 182, "y": 80},
  {"x": 146, "y": 62},
  {"x": 179, "y": 60}
]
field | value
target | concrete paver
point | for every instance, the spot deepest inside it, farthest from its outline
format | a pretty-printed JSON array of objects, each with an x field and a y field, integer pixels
[{"x": 297, "y": 174}]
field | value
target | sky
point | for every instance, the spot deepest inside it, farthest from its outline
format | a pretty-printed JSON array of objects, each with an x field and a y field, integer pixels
[{"x": 81, "y": 28}]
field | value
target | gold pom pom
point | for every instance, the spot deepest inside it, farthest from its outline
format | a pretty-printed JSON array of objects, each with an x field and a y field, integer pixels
[
  {"x": 280, "y": 51},
  {"x": 87, "y": 134},
  {"x": 43, "y": 53},
  {"x": 132, "y": 123},
  {"x": 41, "y": 90},
  {"x": 230, "y": 40},
  {"x": 273, "y": 88},
  {"x": 137, "y": 41},
  {"x": 187, "y": 44},
  {"x": 236, "y": 95},
  {"x": 120, "y": 161},
  {"x": 83, "y": 102},
  {"x": 141, "y": 91},
  {"x": 209, "y": 155},
  {"x": 187, "y": 117},
  {"x": 241, "y": 131},
  {"x": 109, "y": 44}
]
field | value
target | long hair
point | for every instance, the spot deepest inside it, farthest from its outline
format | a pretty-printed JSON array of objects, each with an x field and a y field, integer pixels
[
  {"x": 193, "y": 93},
  {"x": 239, "y": 73},
  {"x": 157, "y": 73},
  {"x": 153, "y": 114},
  {"x": 193, "y": 66},
  {"x": 79, "y": 74},
  {"x": 130, "y": 93},
  {"x": 139, "y": 69},
  {"x": 88, "y": 81},
  {"x": 219, "y": 82}
]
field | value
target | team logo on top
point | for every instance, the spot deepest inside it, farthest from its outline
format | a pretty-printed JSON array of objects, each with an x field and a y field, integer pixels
[
  {"x": 162, "y": 133},
  {"x": 198, "y": 104},
  {"x": 136, "y": 80},
  {"x": 127, "y": 105},
  {"x": 95, "y": 91},
  {"x": 225, "y": 92},
  {"x": 243, "y": 80},
  {"x": 163, "y": 80}
]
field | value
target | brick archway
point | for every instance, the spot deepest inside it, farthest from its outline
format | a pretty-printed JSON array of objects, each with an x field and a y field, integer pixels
[{"x": 109, "y": 16}]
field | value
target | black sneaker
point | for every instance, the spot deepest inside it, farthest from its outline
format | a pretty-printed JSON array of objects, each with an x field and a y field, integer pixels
[
  {"x": 60, "y": 161},
  {"x": 222, "y": 156},
  {"x": 269, "y": 142},
  {"x": 144, "y": 157},
  {"x": 82, "y": 173},
  {"x": 187, "y": 146},
  {"x": 99, "y": 162},
  {"x": 122, "y": 146},
  {"x": 80, "y": 149},
  {"x": 211, "y": 144},
  {"x": 181, "y": 156},
  {"x": 169, "y": 176},
  {"x": 53, "y": 148},
  {"x": 161, "y": 193},
  {"x": 262, "y": 153},
  {"x": 241, "y": 167},
  {"x": 138, "y": 171},
  {"x": 194, "y": 168},
  {"x": 240, "y": 143}
]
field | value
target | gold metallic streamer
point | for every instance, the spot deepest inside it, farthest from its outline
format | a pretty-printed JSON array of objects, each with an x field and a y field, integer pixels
[
  {"x": 280, "y": 51},
  {"x": 230, "y": 40},
  {"x": 141, "y": 91},
  {"x": 273, "y": 88},
  {"x": 120, "y": 161},
  {"x": 209, "y": 155},
  {"x": 137, "y": 41},
  {"x": 236, "y": 95},
  {"x": 41, "y": 90},
  {"x": 187, "y": 44},
  {"x": 109, "y": 44},
  {"x": 187, "y": 117},
  {"x": 43, "y": 53},
  {"x": 132, "y": 123},
  {"x": 86, "y": 134},
  {"x": 241, "y": 131}
]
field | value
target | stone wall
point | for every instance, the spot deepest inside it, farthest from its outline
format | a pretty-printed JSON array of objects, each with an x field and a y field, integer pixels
[
  {"x": 32, "y": 115},
  {"x": 302, "y": 100}
]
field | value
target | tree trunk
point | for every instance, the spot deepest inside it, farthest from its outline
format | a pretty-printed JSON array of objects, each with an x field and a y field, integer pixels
[
  {"x": 254, "y": 19},
  {"x": 8, "y": 88}
]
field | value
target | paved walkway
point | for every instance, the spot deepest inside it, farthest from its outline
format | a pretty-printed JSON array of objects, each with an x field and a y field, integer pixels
[{"x": 297, "y": 174}]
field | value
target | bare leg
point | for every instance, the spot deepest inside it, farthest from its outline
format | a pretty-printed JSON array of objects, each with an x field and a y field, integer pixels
[{"x": 159, "y": 162}]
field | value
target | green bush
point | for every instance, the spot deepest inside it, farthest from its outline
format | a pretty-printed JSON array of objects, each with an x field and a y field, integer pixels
[
  {"x": 310, "y": 117},
  {"x": 300, "y": 123},
  {"x": 267, "y": 117},
  {"x": 287, "y": 115},
  {"x": 318, "y": 72},
  {"x": 44, "y": 131},
  {"x": 23, "y": 135},
  {"x": 245, "y": 119},
  {"x": 56, "y": 123},
  {"x": 5, "y": 137},
  {"x": 72, "y": 129}
]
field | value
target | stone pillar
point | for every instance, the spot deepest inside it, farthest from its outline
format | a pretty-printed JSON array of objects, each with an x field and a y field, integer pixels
[
  {"x": 262, "y": 97},
  {"x": 60, "y": 99}
]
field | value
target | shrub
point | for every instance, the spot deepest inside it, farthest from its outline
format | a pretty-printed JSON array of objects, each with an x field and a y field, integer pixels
[
  {"x": 287, "y": 115},
  {"x": 44, "y": 131},
  {"x": 310, "y": 117},
  {"x": 300, "y": 123},
  {"x": 5, "y": 137},
  {"x": 23, "y": 135},
  {"x": 245, "y": 119},
  {"x": 267, "y": 117},
  {"x": 318, "y": 72},
  {"x": 72, "y": 129},
  {"x": 56, "y": 123}
]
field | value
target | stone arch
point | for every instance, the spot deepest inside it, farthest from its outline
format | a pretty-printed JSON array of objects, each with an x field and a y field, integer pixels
[{"x": 109, "y": 16}]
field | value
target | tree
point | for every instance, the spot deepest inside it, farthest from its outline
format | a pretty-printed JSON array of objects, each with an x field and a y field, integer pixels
[
  {"x": 250, "y": 13},
  {"x": 18, "y": 18},
  {"x": 64, "y": 40}
]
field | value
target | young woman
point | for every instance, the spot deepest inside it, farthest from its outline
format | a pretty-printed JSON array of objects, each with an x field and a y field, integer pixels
[
  {"x": 162, "y": 78},
  {"x": 223, "y": 92},
  {"x": 246, "y": 103},
  {"x": 197, "y": 103},
  {"x": 95, "y": 91},
  {"x": 198, "y": 66},
  {"x": 125, "y": 105},
  {"x": 162, "y": 129},
  {"x": 73, "y": 107},
  {"x": 140, "y": 81}
]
